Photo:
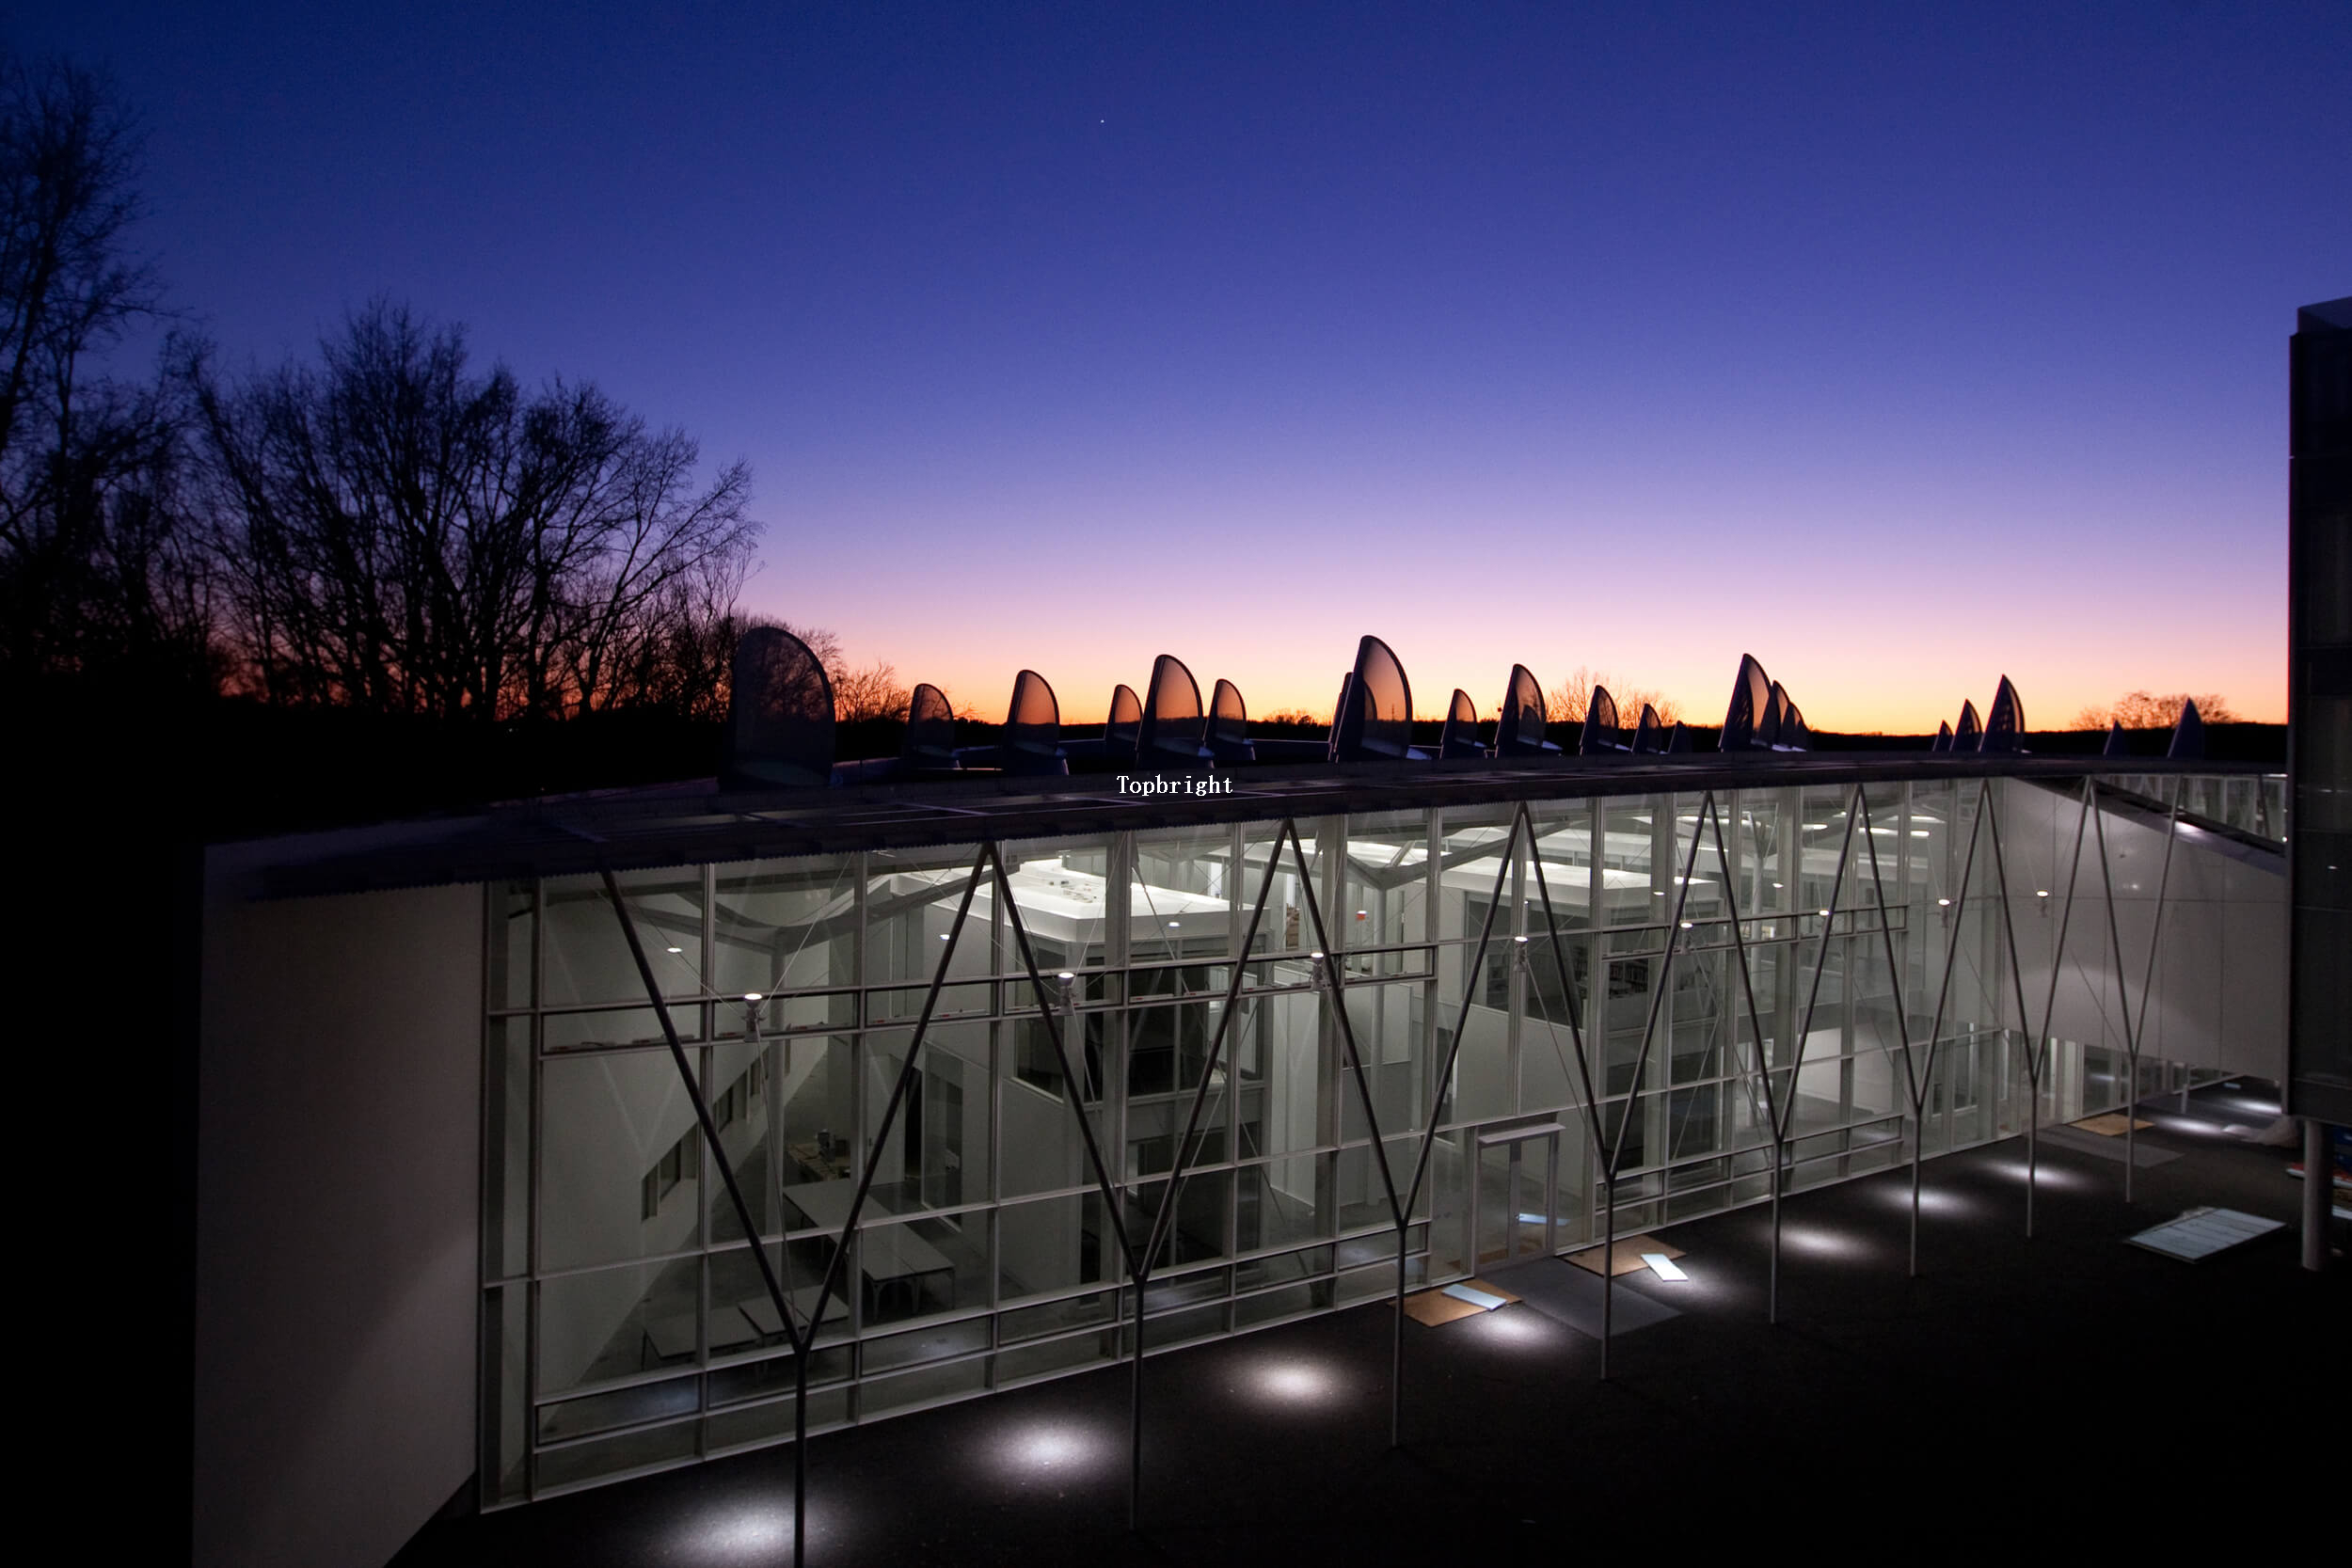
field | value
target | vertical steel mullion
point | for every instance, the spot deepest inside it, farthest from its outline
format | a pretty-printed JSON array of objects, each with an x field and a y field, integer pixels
[
  {"x": 1747, "y": 976},
  {"x": 488, "y": 1398},
  {"x": 536, "y": 1113},
  {"x": 1783, "y": 1116},
  {"x": 2017, "y": 981},
  {"x": 2155, "y": 935},
  {"x": 1641, "y": 1061},
  {"x": 2122, "y": 998},
  {"x": 1470, "y": 987}
]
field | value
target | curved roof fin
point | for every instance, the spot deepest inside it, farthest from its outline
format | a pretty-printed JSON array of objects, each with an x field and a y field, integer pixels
[
  {"x": 2005, "y": 723},
  {"x": 1459, "y": 738},
  {"x": 1032, "y": 736},
  {"x": 1339, "y": 712},
  {"x": 930, "y": 737},
  {"x": 1119, "y": 729},
  {"x": 1795, "y": 734},
  {"x": 1943, "y": 741},
  {"x": 778, "y": 714},
  {"x": 1775, "y": 713},
  {"x": 1376, "y": 720},
  {"x": 1600, "y": 724},
  {"x": 1751, "y": 693},
  {"x": 2117, "y": 746},
  {"x": 1229, "y": 725},
  {"x": 2188, "y": 734},
  {"x": 1647, "y": 733},
  {"x": 1519, "y": 727},
  {"x": 1172, "y": 722},
  {"x": 1967, "y": 734}
]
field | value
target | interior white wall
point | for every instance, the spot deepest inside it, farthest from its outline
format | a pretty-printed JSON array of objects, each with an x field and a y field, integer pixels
[
  {"x": 2218, "y": 999},
  {"x": 337, "y": 1223}
]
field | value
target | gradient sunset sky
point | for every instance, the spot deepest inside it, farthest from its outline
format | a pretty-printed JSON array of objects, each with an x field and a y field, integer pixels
[{"x": 1899, "y": 349}]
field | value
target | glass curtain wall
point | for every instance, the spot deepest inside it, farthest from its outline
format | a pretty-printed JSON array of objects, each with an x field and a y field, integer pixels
[{"x": 1711, "y": 968}]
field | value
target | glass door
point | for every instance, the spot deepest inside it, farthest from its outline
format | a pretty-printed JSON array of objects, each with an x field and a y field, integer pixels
[{"x": 1513, "y": 1193}]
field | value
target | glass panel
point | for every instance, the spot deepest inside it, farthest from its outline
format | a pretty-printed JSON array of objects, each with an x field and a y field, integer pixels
[
  {"x": 633, "y": 1026},
  {"x": 1055, "y": 1243},
  {"x": 1384, "y": 895},
  {"x": 617, "y": 1322},
  {"x": 748, "y": 1380},
  {"x": 743, "y": 1316},
  {"x": 1203, "y": 1221},
  {"x": 506, "y": 1153},
  {"x": 505, "y": 1373},
  {"x": 612, "y": 1456},
  {"x": 1055, "y": 1356},
  {"x": 766, "y": 1423},
  {"x": 911, "y": 902},
  {"x": 588, "y": 957},
  {"x": 930, "y": 1386},
  {"x": 1284, "y": 1073},
  {"x": 1362, "y": 1197},
  {"x": 1180, "y": 904},
  {"x": 941, "y": 1130},
  {"x": 621, "y": 1407},
  {"x": 785, "y": 926},
  {"x": 923, "y": 1266},
  {"x": 620, "y": 1160},
  {"x": 1042, "y": 1148},
  {"x": 933, "y": 1342},
  {"x": 1063, "y": 900},
  {"x": 1284, "y": 1202},
  {"x": 1058, "y": 1317},
  {"x": 1636, "y": 864},
  {"x": 513, "y": 929}
]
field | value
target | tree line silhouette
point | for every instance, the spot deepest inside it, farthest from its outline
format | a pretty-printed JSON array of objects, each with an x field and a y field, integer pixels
[{"x": 382, "y": 526}]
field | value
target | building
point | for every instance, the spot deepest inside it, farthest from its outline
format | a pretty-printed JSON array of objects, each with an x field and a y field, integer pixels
[
  {"x": 462, "y": 1236},
  {"x": 2319, "y": 702}
]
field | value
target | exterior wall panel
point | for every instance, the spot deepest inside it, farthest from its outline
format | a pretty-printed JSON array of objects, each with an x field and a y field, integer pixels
[{"x": 338, "y": 1204}]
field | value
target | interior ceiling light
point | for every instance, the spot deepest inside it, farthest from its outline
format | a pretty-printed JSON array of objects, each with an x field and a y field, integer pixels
[
  {"x": 1944, "y": 903},
  {"x": 751, "y": 996}
]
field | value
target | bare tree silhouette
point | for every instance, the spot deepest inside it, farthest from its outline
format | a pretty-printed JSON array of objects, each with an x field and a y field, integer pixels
[
  {"x": 2138, "y": 710},
  {"x": 99, "y": 574},
  {"x": 400, "y": 535}
]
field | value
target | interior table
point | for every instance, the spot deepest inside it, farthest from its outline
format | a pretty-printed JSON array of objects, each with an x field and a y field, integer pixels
[{"x": 891, "y": 1257}]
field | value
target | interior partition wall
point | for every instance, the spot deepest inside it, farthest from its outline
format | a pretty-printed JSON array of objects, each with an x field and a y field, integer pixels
[{"x": 1707, "y": 963}]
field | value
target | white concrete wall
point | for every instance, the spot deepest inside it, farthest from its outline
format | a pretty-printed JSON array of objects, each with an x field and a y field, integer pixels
[{"x": 338, "y": 1217}]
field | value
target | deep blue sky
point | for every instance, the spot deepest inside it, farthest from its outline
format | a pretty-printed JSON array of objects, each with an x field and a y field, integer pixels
[{"x": 1899, "y": 349}]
